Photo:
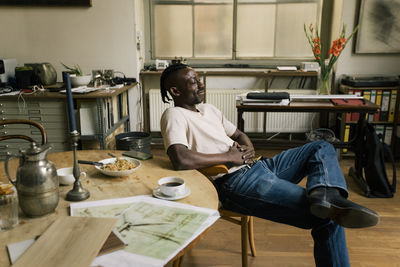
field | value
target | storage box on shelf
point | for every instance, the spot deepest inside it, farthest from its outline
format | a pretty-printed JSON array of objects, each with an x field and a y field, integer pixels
[{"x": 386, "y": 121}]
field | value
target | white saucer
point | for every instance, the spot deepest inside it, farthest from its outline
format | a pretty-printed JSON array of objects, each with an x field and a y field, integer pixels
[{"x": 157, "y": 193}]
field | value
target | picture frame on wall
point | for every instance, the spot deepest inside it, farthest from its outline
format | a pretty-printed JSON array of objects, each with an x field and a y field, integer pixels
[
  {"x": 84, "y": 3},
  {"x": 379, "y": 27}
]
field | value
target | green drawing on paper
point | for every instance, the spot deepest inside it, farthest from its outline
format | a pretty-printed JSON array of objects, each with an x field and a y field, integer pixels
[
  {"x": 149, "y": 229},
  {"x": 102, "y": 211}
]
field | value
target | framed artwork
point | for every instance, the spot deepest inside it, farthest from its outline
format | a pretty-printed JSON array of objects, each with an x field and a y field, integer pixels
[
  {"x": 379, "y": 27},
  {"x": 87, "y": 3}
]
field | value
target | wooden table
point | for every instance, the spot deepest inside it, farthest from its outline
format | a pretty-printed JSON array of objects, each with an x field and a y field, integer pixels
[
  {"x": 321, "y": 106},
  {"x": 324, "y": 107},
  {"x": 141, "y": 182}
]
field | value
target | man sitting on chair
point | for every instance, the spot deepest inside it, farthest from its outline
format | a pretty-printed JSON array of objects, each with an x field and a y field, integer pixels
[{"x": 197, "y": 135}]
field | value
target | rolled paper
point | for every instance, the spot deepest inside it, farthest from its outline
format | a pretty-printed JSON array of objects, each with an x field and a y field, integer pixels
[{"x": 71, "y": 113}]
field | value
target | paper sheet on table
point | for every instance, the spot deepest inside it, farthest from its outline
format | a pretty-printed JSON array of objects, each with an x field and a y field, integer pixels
[{"x": 155, "y": 230}]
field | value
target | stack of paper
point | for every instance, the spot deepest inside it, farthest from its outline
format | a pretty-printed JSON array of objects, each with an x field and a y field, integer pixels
[{"x": 154, "y": 230}]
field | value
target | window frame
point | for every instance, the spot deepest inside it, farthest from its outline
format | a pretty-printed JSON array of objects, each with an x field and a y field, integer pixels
[{"x": 324, "y": 11}]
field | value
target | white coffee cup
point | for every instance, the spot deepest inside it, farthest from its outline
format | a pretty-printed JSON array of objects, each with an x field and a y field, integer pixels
[
  {"x": 172, "y": 186},
  {"x": 66, "y": 176}
]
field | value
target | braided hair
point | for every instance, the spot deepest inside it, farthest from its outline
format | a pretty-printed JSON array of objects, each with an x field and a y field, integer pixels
[{"x": 164, "y": 78}]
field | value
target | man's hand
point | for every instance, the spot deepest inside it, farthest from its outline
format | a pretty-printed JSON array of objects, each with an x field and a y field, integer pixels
[
  {"x": 240, "y": 154},
  {"x": 248, "y": 152}
]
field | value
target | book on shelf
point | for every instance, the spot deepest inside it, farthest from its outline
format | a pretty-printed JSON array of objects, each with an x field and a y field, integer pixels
[
  {"x": 367, "y": 96},
  {"x": 392, "y": 105},
  {"x": 346, "y": 137},
  {"x": 373, "y": 100},
  {"x": 378, "y": 103},
  {"x": 387, "y": 138},
  {"x": 385, "y": 106}
]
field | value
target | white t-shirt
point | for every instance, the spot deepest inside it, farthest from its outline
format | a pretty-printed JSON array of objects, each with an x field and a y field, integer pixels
[{"x": 206, "y": 131}]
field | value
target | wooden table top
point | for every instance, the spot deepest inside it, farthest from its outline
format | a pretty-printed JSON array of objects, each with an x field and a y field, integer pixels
[{"x": 141, "y": 182}]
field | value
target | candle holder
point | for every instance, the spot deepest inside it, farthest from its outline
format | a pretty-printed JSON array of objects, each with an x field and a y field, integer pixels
[{"x": 78, "y": 193}]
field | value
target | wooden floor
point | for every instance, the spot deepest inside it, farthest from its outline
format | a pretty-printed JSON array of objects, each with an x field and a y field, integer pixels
[{"x": 280, "y": 245}]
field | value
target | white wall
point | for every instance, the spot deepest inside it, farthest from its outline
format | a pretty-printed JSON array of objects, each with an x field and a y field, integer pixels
[
  {"x": 353, "y": 64},
  {"x": 99, "y": 37}
]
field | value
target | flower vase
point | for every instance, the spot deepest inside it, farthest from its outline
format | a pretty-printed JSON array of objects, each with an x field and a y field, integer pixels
[{"x": 324, "y": 84}]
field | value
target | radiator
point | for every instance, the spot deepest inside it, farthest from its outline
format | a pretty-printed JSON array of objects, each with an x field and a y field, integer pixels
[
  {"x": 156, "y": 107},
  {"x": 225, "y": 100}
]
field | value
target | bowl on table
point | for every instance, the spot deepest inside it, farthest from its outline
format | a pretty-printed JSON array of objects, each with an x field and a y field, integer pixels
[
  {"x": 123, "y": 167},
  {"x": 83, "y": 80}
]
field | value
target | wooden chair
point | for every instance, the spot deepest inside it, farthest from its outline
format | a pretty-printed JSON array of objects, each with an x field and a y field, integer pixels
[{"x": 245, "y": 222}]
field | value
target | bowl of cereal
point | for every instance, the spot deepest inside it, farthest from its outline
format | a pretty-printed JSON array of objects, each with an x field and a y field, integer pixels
[{"x": 118, "y": 167}]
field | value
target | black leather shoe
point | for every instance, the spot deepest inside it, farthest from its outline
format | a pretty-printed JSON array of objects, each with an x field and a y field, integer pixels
[{"x": 326, "y": 202}]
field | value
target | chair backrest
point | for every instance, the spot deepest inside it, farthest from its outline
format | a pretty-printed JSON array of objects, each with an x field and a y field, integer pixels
[
  {"x": 214, "y": 170},
  {"x": 24, "y": 121}
]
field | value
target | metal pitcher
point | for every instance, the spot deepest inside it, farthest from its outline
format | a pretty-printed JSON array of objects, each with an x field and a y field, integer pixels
[{"x": 36, "y": 182}]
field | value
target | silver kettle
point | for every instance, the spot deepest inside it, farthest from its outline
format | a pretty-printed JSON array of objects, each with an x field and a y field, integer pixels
[{"x": 36, "y": 181}]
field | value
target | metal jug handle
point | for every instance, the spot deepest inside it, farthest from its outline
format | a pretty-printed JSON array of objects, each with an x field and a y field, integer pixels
[{"x": 8, "y": 157}]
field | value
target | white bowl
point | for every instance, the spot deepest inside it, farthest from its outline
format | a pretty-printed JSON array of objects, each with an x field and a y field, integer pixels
[
  {"x": 117, "y": 173},
  {"x": 66, "y": 176},
  {"x": 77, "y": 81}
]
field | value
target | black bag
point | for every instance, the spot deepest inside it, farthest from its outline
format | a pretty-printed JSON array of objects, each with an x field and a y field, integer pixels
[{"x": 374, "y": 152}]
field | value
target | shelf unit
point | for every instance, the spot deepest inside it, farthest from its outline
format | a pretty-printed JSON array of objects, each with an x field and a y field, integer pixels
[
  {"x": 386, "y": 121},
  {"x": 108, "y": 115}
]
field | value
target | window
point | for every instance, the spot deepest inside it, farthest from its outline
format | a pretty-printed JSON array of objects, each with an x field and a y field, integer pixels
[{"x": 232, "y": 29}]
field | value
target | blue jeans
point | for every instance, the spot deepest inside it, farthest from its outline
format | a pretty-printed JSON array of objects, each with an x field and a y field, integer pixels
[{"x": 268, "y": 189}]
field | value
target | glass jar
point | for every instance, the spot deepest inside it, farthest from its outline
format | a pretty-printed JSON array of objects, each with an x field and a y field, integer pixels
[{"x": 8, "y": 207}]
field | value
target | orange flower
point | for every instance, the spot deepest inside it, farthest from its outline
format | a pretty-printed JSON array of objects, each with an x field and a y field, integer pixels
[
  {"x": 336, "y": 52},
  {"x": 313, "y": 38},
  {"x": 337, "y": 46}
]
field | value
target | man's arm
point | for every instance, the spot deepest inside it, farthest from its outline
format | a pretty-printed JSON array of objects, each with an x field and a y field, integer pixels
[
  {"x": 183, "y": 159},
  {"x": 242, "y": 152}
]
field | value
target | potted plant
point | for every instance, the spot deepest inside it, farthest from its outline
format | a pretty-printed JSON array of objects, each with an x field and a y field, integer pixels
[{"x": 77, "y": 77}]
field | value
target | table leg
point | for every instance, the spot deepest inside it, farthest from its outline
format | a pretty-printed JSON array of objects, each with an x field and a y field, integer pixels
[{"x": 240, "y": 121}]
